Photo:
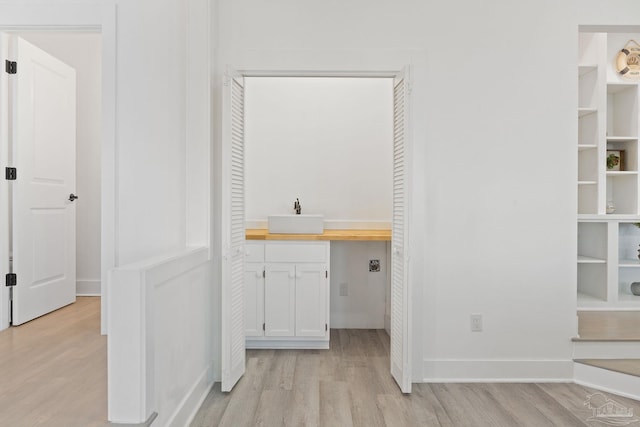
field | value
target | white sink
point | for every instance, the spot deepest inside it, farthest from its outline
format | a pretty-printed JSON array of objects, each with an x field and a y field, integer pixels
[{"x": 296, "y": 224}]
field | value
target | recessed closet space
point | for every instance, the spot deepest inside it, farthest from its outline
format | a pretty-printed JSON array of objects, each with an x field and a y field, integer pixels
[{"x": 327, "y": 142}]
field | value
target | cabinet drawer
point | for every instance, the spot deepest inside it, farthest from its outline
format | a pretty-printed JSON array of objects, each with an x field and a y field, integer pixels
[
  {"x": 255, "y": 252},
  {"x": 296, "y": 253}
]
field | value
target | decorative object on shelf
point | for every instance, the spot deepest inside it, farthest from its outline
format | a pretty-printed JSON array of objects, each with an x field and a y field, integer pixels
[
  {"x": 615, "y": 160},
  {"x": 635, "y": 288},
  {"x": 628, "y": 61},
  {"x": 610, "y": 207}
]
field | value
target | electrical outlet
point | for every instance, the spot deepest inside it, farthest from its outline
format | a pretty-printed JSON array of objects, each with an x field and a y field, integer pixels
[
  {"x": 344, "y": 289},
  {"x": 476, "y": 323},
  {"x": 374, "y": 265}
]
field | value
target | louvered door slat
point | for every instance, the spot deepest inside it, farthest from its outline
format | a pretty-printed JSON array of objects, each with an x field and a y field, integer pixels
[
  {"x": 233, "y": 232},
  {"x": 399, "y": 352}
]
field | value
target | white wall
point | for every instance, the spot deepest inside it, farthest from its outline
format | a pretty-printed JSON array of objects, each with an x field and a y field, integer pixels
[
  {"x": 364, "y": 305},
  {"x": 159, "y": 53},
  {"x": 493, "y": 195},
  {"x": 326, "y": 141},
  {"x": 83, "y": 52}
]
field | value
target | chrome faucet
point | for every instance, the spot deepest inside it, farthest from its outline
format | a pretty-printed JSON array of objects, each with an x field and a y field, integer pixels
[{"x": 297, "y": 207}]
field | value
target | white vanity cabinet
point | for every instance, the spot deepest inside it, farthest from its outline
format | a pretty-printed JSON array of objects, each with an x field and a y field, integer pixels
[
  {"x": 287, "y": 294},
  {"x": 254, "y": 276}
]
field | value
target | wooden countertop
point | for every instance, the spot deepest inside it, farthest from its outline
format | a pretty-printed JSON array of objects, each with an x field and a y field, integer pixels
[{"x": 354, "y": 235}]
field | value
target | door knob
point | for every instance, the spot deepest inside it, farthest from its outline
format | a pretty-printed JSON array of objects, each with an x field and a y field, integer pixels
[{"x": 72, "y": 197}]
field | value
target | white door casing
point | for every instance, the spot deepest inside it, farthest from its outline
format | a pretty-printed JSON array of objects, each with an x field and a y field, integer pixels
[
  {"x": 233, "y": 232},
  {"x": 43, "y": 143},
  {"x": 400, "y": 353}
]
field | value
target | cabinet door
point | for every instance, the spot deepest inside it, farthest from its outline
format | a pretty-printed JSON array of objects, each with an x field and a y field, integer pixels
[
  {"x": 254, "y": 299},
  {"x": 279, "y": 300},
  {"x": 311, "y": 300}
]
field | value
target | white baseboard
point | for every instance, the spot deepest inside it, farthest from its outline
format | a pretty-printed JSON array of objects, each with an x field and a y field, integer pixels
[
  {"x": 88, "y": 288},
  {"x": 188, "y": 408},
  {"x": 452, "y": 370},
  {"x": 287, "y": 344},
  {"x": 609, "y": 381},
  {"x": 343, "y": 320}
]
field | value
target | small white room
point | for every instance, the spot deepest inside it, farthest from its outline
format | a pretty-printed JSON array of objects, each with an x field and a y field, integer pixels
[{"x": 327, "y": 141}]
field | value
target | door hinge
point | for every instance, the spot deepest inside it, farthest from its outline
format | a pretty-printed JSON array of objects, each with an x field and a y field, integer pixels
[
  {"x": 326, "y": 274},
  {"x": 264, "y": 274},
  {"x": 10, "y": 174},
  {"x": 325, "y": 327},
  {"x": 11, "y": 67},
  {"x": 12, "y": 279},
  {"x": 263, "y": 327}
]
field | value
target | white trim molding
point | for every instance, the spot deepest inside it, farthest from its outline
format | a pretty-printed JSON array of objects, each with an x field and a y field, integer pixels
[
  {"x": 136, "y": 342},
  {"x": 609, "y": 381}
]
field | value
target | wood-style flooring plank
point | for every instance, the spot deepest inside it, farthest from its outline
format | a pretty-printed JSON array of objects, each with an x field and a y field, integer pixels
[
  {"x": 53, "y": 370},
  {"x": 335, "y": 404},
  {"x": 350, "y": 385}
]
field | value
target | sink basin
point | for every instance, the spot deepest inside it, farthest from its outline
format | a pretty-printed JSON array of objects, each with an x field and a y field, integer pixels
[{"x": 296, "y": 224}]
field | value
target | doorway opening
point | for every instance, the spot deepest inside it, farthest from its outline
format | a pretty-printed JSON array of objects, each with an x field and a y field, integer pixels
[
  {"x": 329, "y": 142},
  {"x": 233, "y": 203},
  {"x": 81, "y": 51}
]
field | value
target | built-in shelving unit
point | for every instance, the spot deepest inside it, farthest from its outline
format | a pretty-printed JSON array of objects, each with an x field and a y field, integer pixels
[{"x": 608, "y": 200}]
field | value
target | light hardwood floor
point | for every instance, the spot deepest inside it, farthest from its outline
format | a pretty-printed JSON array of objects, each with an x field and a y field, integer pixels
[
  {"x": 53, "y": 370},
  {"x": 350, "y": 385},
  {"x": 53, "y": 373}
]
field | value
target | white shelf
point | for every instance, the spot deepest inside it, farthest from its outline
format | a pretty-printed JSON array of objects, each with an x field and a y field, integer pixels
[
  {"x": 622, "y": 173},
  {"x": 590, "y": 260},
  {"x": 584, "y": 111},
  {"x": 628, "y": 299},
  {"x": 622, "y": 138},
  {"x": 608, "y": 217},
  {"x": 629, "y": 263}
]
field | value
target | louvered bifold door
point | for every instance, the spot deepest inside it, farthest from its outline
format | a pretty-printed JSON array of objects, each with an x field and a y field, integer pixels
[
  {"x": 233, "y": 232},
  {"x": 400, "y": 351}
]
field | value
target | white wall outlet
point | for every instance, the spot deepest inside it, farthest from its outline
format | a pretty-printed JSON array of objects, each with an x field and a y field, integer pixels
[
  {"x": 476, "y": 323},
  {"x": 344, "y": 289}
]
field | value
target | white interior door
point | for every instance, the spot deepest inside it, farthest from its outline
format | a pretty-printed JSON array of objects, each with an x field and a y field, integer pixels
[
  {"x": 233, "y": 231},
  {"x": 400, "y": 308},
  {"x": 43, "y": 143}
]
